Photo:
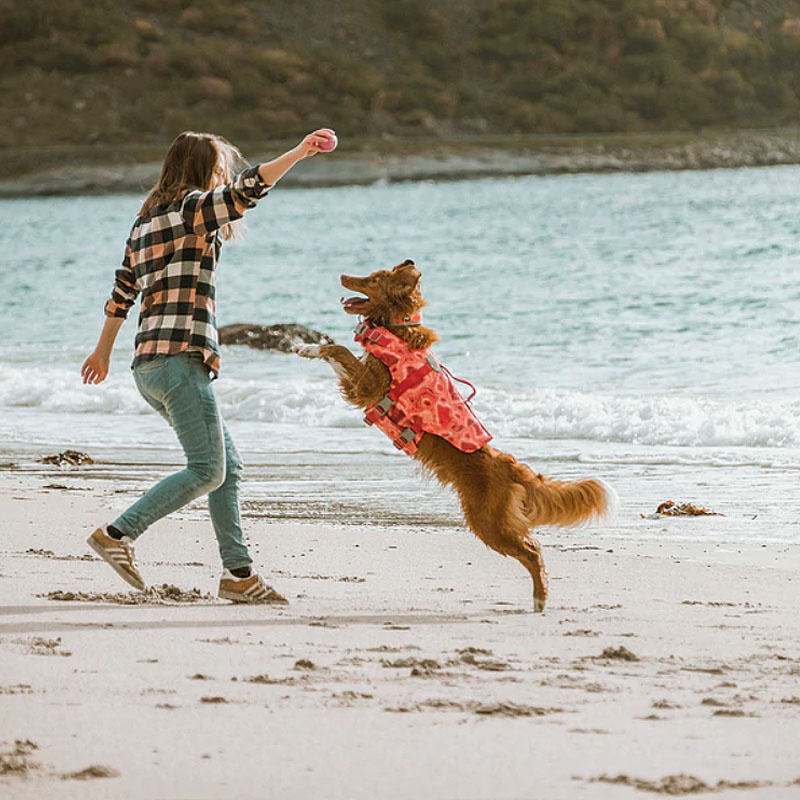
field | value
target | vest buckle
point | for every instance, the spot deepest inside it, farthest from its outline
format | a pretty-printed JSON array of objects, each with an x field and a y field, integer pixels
[
  {"x": 384, "y": 405},
  {"x": 407, "y": 436}
]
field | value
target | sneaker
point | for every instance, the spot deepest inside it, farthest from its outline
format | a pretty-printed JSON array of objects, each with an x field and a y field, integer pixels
[
  {"x": 247, "y": 590},
  {"x": 119, "y": 554}
]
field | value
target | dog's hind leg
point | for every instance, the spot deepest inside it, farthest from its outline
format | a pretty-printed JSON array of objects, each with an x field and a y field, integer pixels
[
  {"x": 506, "y": 530},
  {"x": 529, "y": 554}
]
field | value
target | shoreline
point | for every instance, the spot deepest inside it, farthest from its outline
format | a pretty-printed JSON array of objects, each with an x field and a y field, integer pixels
[
  {"x": 93, "y": 171},
  {"x": 654, "y": 660}
]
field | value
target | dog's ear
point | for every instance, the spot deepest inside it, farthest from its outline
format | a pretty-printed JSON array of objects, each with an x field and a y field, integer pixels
[{"x": 407, "y": 275}]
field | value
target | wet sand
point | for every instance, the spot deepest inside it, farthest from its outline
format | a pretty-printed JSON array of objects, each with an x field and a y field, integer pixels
[{"x": 406, "y": 665}]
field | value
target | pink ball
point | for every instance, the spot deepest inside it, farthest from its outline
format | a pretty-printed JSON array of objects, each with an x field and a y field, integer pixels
[{"x": 330, "y": 144}]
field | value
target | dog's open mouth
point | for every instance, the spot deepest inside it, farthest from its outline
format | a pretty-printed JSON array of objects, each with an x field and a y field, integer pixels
[{"x": 355, "y": 305}]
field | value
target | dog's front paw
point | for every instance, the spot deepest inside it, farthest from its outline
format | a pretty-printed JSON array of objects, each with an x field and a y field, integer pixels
[{"x": 307, "y": 350}]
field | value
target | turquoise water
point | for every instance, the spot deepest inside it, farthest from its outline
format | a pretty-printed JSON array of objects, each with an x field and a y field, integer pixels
[
  {"x": 670, "y": 294},
  {"x": 609, "y": 319}
]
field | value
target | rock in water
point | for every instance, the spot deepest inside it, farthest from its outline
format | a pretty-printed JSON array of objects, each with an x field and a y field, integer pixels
[{"x": 282, "y": 337}]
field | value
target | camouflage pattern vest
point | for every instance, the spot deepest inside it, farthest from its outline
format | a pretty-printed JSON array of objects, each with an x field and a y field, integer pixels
[{"x": 422, "y": 397}]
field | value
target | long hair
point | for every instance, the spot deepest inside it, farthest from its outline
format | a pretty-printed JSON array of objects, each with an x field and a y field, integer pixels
[{"x": 193, "y": 161}]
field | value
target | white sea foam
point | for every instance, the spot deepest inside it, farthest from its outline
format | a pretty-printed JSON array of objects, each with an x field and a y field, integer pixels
[
  {"x": 682, "y": 421},
  {"x": 653, "y": 420}
]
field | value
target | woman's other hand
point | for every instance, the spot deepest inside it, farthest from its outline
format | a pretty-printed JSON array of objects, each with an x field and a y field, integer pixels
[
  {"x": 95, "y": 368},
  {"x": 310, "y": 145}
]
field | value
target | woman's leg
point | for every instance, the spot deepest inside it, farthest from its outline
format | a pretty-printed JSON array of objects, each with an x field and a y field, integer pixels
[
  {"x": 223, "y": 504},
  {"x": 179, "y": 388}
]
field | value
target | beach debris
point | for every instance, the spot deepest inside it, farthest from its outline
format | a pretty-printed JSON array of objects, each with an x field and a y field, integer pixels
[
  {"x": 283, "y": 337},
  {"x": 678, "y": 784},
  {"x": 215, "y": 699},
  {"x": 493, "y": 665},
  {"x": 669, "y": 508},
  {"x": 711, "y": 701},
  {"x": 72, "y": 458},
  {"x": 349, "y": 698},
  {"x": 665, "y": 704},
  {"x": 621, "y": 653},
  {"x": 17, "y": 760},
  {"x": 45, "y": 647},
  {"x": 500, "y": 709},
  {"x": 424, "y": 672},
  {"x": 164, "y": 595},
  {"x": 35, "y": 551},
  {"x": 304, "y": 664},
  {"x": 708, "y": 670},
  {"x": 509, "y": 709},
  {"x": 404, "y": 663},
  {"x": 93, "y": 771},
  {"x": 713, "y": 603},
  {"x": 266, "y": 680},
  {"x": 434, "y": 704}
]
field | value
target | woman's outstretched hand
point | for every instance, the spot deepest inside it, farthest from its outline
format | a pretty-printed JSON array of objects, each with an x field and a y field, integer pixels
[
  {"x": 317, "y": 142},
  {"x": 95, "y": 368},
  {"x": 314, "y": 142}
]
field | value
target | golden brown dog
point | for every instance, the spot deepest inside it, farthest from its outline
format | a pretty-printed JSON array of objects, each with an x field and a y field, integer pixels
[{"x": 502, "y": 499}]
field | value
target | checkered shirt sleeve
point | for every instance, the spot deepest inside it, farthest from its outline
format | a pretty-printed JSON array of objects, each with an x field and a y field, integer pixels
[
  {"x": 124, "y": 293},
  {"x": 205, "y": 212}
]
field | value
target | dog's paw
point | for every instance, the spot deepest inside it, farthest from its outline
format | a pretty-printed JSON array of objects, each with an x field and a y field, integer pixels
[{"x": 307, "y": 350}]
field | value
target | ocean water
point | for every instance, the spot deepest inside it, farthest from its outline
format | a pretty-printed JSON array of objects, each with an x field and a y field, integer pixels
[{"x": 640, "y": 327}]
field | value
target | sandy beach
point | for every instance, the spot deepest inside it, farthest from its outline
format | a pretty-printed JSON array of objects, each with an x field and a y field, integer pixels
[{"x": 406, "y": 665}]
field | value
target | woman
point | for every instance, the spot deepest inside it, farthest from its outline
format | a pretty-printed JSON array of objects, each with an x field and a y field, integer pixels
[{"x": 171, "y": 259}]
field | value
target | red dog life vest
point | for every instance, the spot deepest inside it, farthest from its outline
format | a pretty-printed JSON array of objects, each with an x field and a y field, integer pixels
[{"x": 422, "y": 397}]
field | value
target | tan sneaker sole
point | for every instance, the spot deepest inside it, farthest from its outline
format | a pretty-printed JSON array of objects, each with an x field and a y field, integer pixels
[
  {"x": 137, "y": 583},
  {"x": 256, "y": 594}
]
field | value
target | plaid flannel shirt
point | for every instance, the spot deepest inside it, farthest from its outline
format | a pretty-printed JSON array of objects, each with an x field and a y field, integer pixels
[{"x": 171, "y": 259}]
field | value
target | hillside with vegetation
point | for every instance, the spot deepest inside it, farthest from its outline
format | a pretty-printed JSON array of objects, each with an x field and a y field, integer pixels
[{"x": 115, "y": 72}]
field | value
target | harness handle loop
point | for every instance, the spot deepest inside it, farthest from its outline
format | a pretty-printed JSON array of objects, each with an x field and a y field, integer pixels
[{"x": 460, "y": 380}]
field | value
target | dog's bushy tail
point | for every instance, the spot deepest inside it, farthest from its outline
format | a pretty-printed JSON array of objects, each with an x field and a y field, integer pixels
[
  {"x": 563, "y": 503},
  {"x": 499, "y": 493}
]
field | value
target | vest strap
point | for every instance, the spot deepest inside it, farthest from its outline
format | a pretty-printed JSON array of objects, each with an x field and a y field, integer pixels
[
  {"x": 363, "y": 332},
  {"x": 412, "y": 379}
]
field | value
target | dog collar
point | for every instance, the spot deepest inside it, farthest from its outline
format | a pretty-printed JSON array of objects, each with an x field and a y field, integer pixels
[{"x": 407, "y": 322}]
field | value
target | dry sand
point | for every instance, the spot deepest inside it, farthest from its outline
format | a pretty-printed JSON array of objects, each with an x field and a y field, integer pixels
[{"x": 406, "y": 665}]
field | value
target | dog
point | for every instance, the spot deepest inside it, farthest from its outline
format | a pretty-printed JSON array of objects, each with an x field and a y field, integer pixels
[{"x": 420, "y": 409}]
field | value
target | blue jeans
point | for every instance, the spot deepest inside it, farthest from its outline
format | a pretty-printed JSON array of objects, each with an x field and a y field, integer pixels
[{"x": 179, "y": 388}]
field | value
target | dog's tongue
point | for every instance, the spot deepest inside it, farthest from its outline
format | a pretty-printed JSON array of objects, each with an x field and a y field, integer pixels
[{"x": 351, "y": 303}]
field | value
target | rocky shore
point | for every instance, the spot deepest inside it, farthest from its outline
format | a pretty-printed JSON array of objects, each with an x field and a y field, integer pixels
[{"x": 455, "y": 159}]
